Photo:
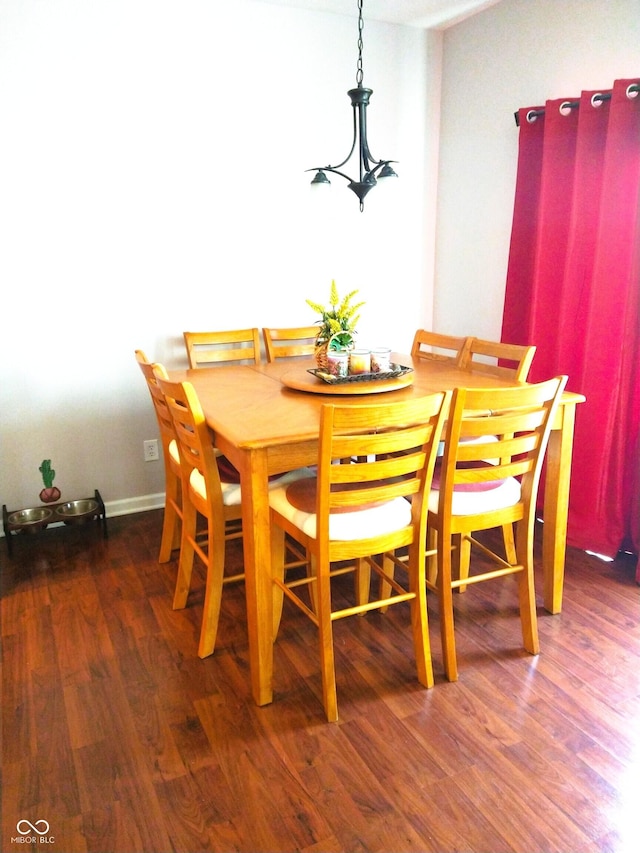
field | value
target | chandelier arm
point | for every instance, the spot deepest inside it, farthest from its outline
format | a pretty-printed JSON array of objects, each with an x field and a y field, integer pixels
[
  {"x": 353, "y": 145},
  {"x": 373, "y": 165},
  {"x": 333, "y": 170},
  {"x": 365, "y": 155}
]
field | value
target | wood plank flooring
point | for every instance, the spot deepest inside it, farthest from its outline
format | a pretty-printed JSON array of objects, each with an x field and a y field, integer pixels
[{"x": 122, "y": 740}]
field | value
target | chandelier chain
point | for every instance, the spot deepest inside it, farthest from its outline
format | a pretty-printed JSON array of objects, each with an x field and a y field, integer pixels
[{"x": 359, "y": 73}]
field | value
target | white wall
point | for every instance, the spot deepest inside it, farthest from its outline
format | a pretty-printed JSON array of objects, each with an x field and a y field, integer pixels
[
  {"x": 151, "y": 180},
  {"x": 515, "y": 54},
  {"x": 152, "y": 157}
]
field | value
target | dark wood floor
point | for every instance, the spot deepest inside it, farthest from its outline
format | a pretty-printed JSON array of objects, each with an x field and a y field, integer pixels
[{"x": 121, "y": 739}]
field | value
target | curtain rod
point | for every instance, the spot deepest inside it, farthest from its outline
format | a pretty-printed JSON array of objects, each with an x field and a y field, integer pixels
[{"x": 532, "y": 115}]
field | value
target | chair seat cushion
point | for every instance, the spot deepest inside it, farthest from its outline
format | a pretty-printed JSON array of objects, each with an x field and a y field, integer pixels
[
  {"x": 302, "y": 494},
  {"x": 474, "y": 498},
  {"x": 228, "y": 471},
  {"x": 230, "y": 474},
  {"x": 294, "y": 504},
  {"x": 231, "y": 492}
]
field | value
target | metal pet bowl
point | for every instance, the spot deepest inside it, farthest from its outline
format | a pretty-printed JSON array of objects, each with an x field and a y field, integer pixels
[
  {"x": 76, "y": 512},
  {"x": 31, "y": 520}
]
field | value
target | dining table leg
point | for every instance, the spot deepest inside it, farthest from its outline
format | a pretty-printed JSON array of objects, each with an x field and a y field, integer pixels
[
  {"x": 254, "y": 483},
  {"x": 556, "y": 506}
]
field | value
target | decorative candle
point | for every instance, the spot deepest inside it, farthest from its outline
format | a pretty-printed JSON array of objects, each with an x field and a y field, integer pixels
[
  {"x": 338, "y": 363},
  {"x": 380, "y": 360},
  {"x": 359, "y": 361}
]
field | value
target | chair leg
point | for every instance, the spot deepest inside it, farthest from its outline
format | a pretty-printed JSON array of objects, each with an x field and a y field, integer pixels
[
  {"x": 384, "y": 587},
  {"x": 465, "y": 553},
  {"x": 445, "y": 597},
  {"x": 312, "y": 571},
  {"x": 185, "y": 563},
  {"x": 177, "y": 529},
  {"x": 362, "y": 581},
  {"x": 509, "y": 544},
  {"x": 420, "y": 620},
  {"x": 170, "y": 540},
  {"x": 213, "y": 589},
  {"x": 277, "y": 573},
  {"x": 528, "y": 613},
  {"x": 463, "y": 559},
  {"x": 325, "y": 636},
  {"x": 431, "y": 560}
]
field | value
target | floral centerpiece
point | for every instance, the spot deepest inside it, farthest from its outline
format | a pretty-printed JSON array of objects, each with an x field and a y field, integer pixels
[{"x": 337, "y": 323}]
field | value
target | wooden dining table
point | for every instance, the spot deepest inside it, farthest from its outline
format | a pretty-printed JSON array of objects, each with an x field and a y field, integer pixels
[{"x": 265, "y": 418}]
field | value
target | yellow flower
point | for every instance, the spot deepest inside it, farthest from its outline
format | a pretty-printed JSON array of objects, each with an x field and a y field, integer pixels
[{"x": 337, "y": 320}]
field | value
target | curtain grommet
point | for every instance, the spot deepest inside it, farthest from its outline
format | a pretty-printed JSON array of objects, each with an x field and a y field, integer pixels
[{"x": 633, "y": 90}]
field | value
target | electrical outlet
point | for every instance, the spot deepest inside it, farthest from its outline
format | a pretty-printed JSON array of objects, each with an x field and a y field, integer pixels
[{"x": 151, "y": 453}]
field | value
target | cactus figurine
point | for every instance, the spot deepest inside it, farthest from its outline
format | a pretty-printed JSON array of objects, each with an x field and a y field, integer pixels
[{"x": 50, "y": 493}]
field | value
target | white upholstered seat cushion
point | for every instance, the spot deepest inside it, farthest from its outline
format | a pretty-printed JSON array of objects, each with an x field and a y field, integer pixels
[
  {"x": 231, "y": 493},
  {"x": 374, "y": 520},
  {"x": 173, "y": 451},
  {"x": 474, "y": 498}
]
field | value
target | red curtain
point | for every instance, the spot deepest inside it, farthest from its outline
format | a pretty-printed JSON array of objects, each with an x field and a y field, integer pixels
[{"x": 573, "y": 289}]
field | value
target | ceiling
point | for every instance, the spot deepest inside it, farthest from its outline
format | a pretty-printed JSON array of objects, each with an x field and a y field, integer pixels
[{"x": 437, "y": 14}]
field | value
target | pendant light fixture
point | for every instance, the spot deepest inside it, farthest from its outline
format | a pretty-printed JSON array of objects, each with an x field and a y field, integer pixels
[{"x": 370, "y": 170}]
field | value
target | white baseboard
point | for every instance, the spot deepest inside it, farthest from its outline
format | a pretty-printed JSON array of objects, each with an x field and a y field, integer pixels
[{"x": 128, "y": 506}]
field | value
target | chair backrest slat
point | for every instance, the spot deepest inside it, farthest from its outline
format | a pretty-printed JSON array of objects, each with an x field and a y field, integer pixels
[
  {"x": 395, "y": 457},
  {"x": 151, "y": 371},
  {"x": 295, "y": 341},
  {"x": 517, "y": 426},
  {"x": 508, "y": 361},
  {"x": 433, "y": 346},
  {"x": 195, "y": 442},
  {"x": 206, "y": 349}
]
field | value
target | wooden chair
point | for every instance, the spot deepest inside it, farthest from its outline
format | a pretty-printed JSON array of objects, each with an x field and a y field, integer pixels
[
  {"x": 288, "y": 342},
  {"x": 172, "y": 519},
  {"x": 206, "y": 349},
  {"x": 433, "y": 346},
  {"x": 352, "y": 512},
  {"x": 508, "y": 361},
  {"x": 202, "y": 493},
  {"x": 488, "y": 477},
  {"x": 205, "y": 492}
]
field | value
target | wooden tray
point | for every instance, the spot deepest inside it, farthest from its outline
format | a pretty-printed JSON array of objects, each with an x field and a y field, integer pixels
[{"x": 305, "y": 380}]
